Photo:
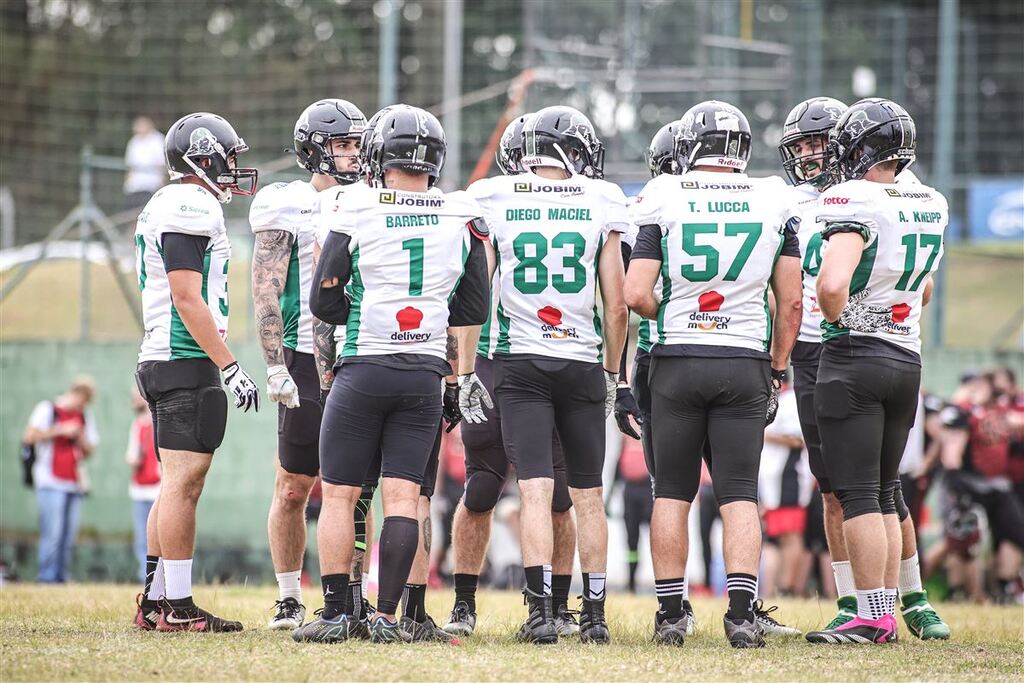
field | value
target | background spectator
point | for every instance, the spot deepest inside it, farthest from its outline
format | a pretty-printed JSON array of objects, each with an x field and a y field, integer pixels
[
  {"x": 144, "y": 157},
  {"x": 63, "y": 435},
  {"x": 145, "y": 484},
  {"x": 637, "y": 500}
]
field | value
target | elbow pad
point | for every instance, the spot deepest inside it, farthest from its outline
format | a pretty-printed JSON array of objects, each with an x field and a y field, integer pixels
[{"x": 331, "y": 304}]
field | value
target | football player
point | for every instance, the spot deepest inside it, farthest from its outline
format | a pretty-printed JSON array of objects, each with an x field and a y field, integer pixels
[
  {"x": 487, "y": 465},
  {"x": 182, "y": 255},
  {"x": 884, "y": 242},
  {"x": 402, "y": 262},
  {"x": 555, "y": 229},
  {"x": 283, "y": 218},
  {"x": 804, "y": 138},
  {"x": 718, "y": 239}
]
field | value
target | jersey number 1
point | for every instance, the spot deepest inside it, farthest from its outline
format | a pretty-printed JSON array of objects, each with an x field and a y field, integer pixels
[{"x": 415, "y": 249}]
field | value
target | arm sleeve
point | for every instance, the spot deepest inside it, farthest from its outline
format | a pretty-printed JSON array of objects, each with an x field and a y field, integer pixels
[
  {"x": 790, "y": 243},
  {"x": 648, "y": 243},
  {"x": 471, "y": 302},
  {"x": 184, "y": 252},
  {"x": 330, "y": 304}
]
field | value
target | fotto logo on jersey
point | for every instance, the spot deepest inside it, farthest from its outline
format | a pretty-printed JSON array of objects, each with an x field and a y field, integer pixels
[
  {"x": 564, "y": 190},
  {"x": 552, "y": 327},
  {"x": 705, "y": 319},
  {"x": 409, "y": 319},
  {"x": 836, "y": 200},
  {"x": 399, "y": 199},
  {"x": 695, "y": 185}
]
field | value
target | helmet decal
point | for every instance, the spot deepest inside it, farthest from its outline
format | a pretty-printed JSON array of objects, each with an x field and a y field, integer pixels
[
  {"x": 859, "y": 122},
  {"x": 202, "y": 142}
]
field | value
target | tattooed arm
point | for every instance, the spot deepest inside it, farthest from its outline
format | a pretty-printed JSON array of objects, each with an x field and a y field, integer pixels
[
  {"x": 324, "y": 351},
  {"x": 270, "y": 260}
]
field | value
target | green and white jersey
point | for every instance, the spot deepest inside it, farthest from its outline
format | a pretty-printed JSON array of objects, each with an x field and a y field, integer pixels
[
  {"x": 902, "y": 225},
  {"x": 294, "y": 208},
  {"x": 489, "y": 331},
  {"x": 809, "y": 235},
  {"x": 548, "y": 235},
  {"x": 646, "y": 331},
  {"x": 721, "y": 236},
  {"x": 409, "y": 251},
  {"x": 190, "y": 210}
]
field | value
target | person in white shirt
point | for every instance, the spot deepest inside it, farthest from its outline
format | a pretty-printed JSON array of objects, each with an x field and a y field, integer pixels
[{"x": 144, "y": 159}]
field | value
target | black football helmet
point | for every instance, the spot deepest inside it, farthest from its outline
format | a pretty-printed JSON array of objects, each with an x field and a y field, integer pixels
[
  {"x": 563, "y": 137},
  {"x": 872, "y": 131},
  {"x": 659, "y": 154},
  {"x": 205, "y": 146},
  {"x": 814, "y": 117},
  {"x": 712, "y": 133},
  {"x": 318, "y": 125},
  {"x": 407, "y": 138},
  {"x": 510, "y": 148}
]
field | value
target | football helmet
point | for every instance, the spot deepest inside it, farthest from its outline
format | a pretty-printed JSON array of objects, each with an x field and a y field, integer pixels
[
  {"x": 659, "y": 154},
  {"x": 319, "y": 124},
  {"x": 564, "y": 138},
  {"x": 510, "y": 148},
  {"x": 406, "y": 138},
  {"x": 712, "y": 133},
  {"x": 813, "y": 117},
  {"x": 870, "y": 132},
  {"x": 201, "y": 138}
]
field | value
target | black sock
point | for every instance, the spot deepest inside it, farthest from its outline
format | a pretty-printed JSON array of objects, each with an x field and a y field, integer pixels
[
  {"x": 151, "y": 562},
  {"x": 670, "y": 597},
  {"x": 181, "y": 603},
  {"x": 399, "y": 537},
  {"x": 465, "y": 589},
  {"x": 632, "y": 576},
  {"x": 538, "y": 579},
  {"x": 742, "y": 590},
  {"x": 560, "y": 591},
  {"x": 413, "y": 602},
  {"x": 335, "y": 595}
]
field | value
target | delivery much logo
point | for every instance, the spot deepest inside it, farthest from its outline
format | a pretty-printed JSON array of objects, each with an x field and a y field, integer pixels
[
  {"x": 409, "y": 320},
  {"x": 707, "y": 318},
  {"x": 552, "y": 327},
  {"x": 900, "y": 312}
]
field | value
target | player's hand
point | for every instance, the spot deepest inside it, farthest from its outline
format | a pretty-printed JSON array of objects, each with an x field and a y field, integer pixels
[
  {"x": 611, "y": 383},
  {"x": 778, "y": 377},
  {"x": 450, "y": 405},
  {"x": 281, "y": 387},
  {"x": 473, "y": 397},
  {"x": 247, "y": 394},
  {"x": 625, "y": 405},
  {"x": 864, "y": 317}
]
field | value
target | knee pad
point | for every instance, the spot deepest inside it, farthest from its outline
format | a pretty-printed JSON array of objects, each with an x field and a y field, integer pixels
[
  {"x": 482, "y": 492},
  {"x": 831, "y": 400},
  {"x": 211, "y": 417},
  {"x": 887, "y": 499},
  {"x": 301, "y": 426},
  {"x": 561, "y": 501},
  {"x": 859, "y": 501}
]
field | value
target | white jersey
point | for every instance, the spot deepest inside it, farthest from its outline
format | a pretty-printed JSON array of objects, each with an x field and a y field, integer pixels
[
  {"x": 409, "y": 251},
  {"x": 809, "y": 235},
  {"x": 902, "y": 227},
  {"x": 721, "y": 236},
  {"x": 190, "y": 210},
  {"x": 294, "y": 208},
  {"x": 548, "y": 236}
]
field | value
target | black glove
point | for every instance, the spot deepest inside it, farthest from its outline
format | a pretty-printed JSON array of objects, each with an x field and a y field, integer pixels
[
  {"x": 778, "y": 377},
  {"x": 450, "y": 405},
  {"x": 625, "y": 405}
]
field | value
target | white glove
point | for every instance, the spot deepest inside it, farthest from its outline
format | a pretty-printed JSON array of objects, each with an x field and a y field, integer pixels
[
  {"x": 611, "y": 384},
  {"x": 281, "y": 387},
  {"x": 473, "y": 397},
  {"x": 864, "y": 317},
  {"x": 247, "y": 394}
]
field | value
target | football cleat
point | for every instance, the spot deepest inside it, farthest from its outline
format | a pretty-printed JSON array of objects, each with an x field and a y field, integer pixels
[
  {"x": 593, "y": 626},
  {"x": 539, "y": 627},
  {"x": 921, "y": 618},
  {"x": 461, "y": 622},
  {"x": 743, "y": 633},
  {"x": 147, "y": 614},
  {"x": 384, "y": 631},
  {"x": 290, "y": 615},
  {"x": 858, "y": 630},
  {"x": 565, "y": 622},
  {"x": 194, "y": 619},
  {"x": 671, "y": 631},
  {"x": 847, "y": 612},
  {"x": 322, "y": 630},
  {"x": 691, "y": 624},
  {"x": 771, "y": 626},
  {"x": 426, "y": 631}
]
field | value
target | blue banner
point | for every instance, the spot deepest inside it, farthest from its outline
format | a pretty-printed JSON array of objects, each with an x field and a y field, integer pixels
[{"x": 996, "y": 209}]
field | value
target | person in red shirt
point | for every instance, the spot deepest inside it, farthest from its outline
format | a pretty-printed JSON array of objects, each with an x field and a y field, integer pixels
[
  {"x": 145, "y": 484},
  {"x": 63, "y": 435}
]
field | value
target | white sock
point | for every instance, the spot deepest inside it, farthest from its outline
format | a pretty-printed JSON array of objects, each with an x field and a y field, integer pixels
[
  {"x": 179, "y": 578},
  {"x": 910, "y": 575},
  {"x": 156, "y": 589},
  {"x": 289, "y": 585},
  {"x": 872, "y": 604},
  {"x": 547, "y": 579},
  {"x": 843, "y": 571},
  {"x": 686, "y": 590},
  {"x": 891, "y": 598}
]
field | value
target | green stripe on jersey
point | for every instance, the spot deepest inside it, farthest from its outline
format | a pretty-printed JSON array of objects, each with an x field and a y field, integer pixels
[
  {"x": 643, "y": 335},
  {"x": 767, "y": 309},
  {"x": 666, "y": 289},
  {"x": 860, "y": 279},
  {"x": 503, "y": 322},
  {"x": 483, "y": 347},
  {"x": 182, "y": 343},
  {"x": 355, "y": 290},
  {"x": 290, "y": 301}
]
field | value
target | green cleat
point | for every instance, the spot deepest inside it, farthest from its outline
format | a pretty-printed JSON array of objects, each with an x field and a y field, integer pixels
[
  {"x": 921, "y": 619},
  {"x": 847, "y": 612}
]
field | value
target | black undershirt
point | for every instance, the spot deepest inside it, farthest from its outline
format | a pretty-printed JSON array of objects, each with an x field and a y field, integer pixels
[{"x": 184, "y": 252}]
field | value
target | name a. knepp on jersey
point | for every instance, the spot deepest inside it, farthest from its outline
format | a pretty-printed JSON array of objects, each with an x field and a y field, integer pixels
[
  {"x": 554, "y": 214},
  {"x": 708, "y": 321},
  {"x": 923, "y": 217},
  {"x": 411, "y": 221}
]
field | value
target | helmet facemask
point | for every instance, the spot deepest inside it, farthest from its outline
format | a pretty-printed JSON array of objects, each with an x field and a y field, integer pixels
[{"x": 219, "y": 175}]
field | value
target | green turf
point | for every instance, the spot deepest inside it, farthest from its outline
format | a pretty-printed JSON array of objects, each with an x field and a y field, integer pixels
[{"x": 82, "y": 632}]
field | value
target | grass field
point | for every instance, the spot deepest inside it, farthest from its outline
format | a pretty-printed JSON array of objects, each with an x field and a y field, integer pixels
[{"x": 82, "y": 632}]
